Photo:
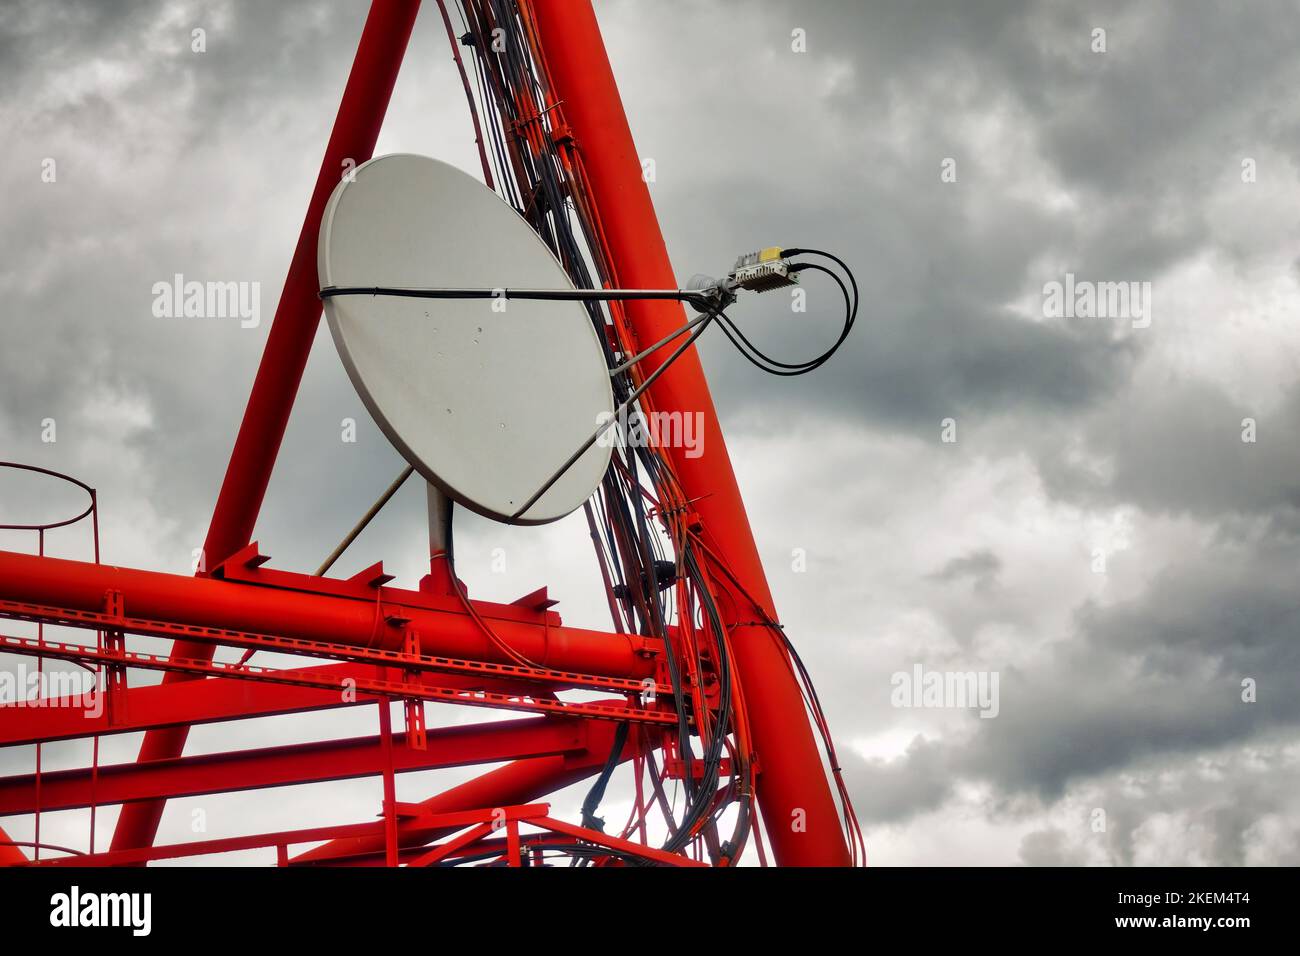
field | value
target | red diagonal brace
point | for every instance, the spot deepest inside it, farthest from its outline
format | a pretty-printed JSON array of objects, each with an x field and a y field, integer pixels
[
  {"x": 208, "y": 701},
  {"x": 614, "y": 843},
  {"x": 451, "y": 846}
]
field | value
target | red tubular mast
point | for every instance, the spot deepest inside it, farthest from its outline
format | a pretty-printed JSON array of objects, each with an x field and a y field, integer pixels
[{"x": 793, "y": 791}]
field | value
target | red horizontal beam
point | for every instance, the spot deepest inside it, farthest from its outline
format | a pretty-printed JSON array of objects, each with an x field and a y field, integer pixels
[
  {"x": 380, "y": 620},
  {"x": 327, "y": 680},
  {"x": 107, "y": 621},
  {"x": 165, "y": 705},
  {"x": 297, "y": 764},
  {"x": 195, "y": 702}
]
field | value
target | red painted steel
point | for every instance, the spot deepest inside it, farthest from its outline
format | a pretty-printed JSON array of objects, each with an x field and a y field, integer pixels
[
  {"x": 356, "y": 128},
  {"x": 294, "y": 764},
  {"x": 165, "y": 705},
  {"x": 9, "y": 854},
  {"x": 442, "y": 851},
  {"x": 214, "y": 700},
  {"x": 481, "y": 823},
  {"x": 535, "y": 699},
  {"x": 380, "y": 621},
  {"x": 793, "y": 790},
  {"x": 612, "y": 842},
  {"x": 520, "y": 782},
  {"x": 405, "y": 658}
]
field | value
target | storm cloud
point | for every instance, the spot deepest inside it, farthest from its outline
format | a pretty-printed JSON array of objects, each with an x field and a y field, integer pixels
[{"x": 1114, "y": 529}]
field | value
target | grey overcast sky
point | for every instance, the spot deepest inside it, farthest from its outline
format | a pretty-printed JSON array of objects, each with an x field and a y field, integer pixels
[{"x": 1099, "y": 534}]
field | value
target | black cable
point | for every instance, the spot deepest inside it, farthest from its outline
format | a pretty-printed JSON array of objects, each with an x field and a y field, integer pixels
[
  {"x": 658, "y": 627},
  {"x": 850, "y": 316},
  {"x": 706, "y": 299},
  {"x": 483, "y": 74},
  {"x": 597, "y": 791},
  {"x": 798, "y": 251},
  {"x": 852, "y": 829},
  {"x": 542, "y": 295},
  {"x": 772, "y": 366},
  {"x": 712, "y": 759}
]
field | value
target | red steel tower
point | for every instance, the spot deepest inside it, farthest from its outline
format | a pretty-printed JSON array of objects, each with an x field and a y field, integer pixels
[{"x": 729, "y": 713}]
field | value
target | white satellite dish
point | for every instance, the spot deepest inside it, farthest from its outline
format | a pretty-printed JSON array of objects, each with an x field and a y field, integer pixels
[{"x": 486, "y": 404}]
